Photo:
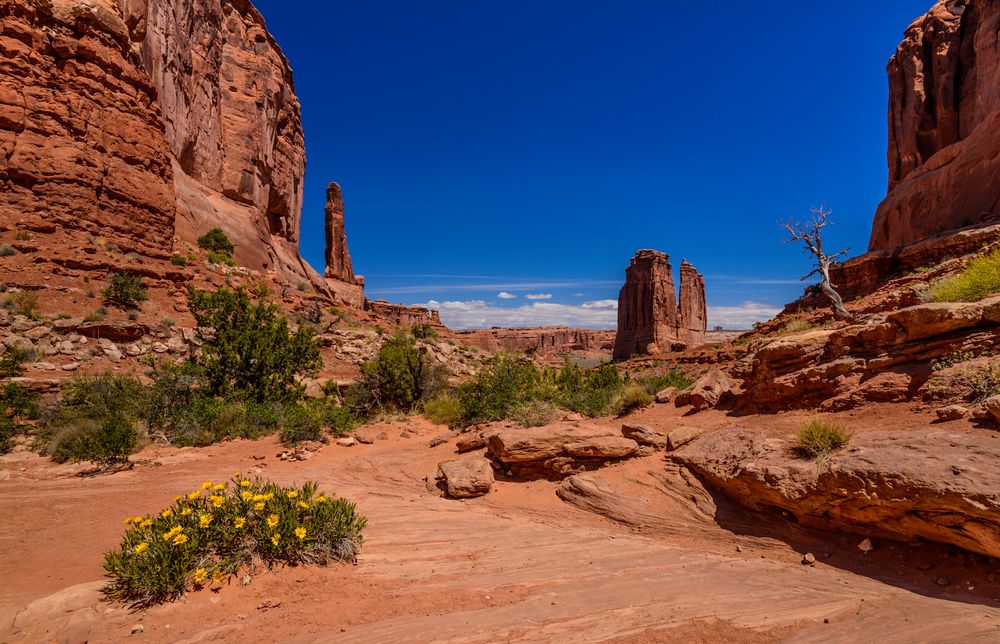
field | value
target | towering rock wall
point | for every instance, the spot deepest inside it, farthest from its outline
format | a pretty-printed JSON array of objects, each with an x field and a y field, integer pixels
[
  {"x": 944, "y": 125},
  {"x": 649, "y": 317},
  {"x": 82, "y": 143}
]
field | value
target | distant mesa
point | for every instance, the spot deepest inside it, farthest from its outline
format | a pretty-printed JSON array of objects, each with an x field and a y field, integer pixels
[{"x": 651, "y": 319}]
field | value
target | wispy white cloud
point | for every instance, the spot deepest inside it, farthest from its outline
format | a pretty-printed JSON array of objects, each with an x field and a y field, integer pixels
[
  {"x": 478, "y": 314},
  {"x": 504, "y": 295},
  {"x": 741, "y": 316},
  {"x": 538, "y": 296},
  {"x": 494, "y": 286}
]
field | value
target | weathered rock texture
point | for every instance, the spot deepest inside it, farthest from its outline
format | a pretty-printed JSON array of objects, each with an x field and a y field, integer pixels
[
  {"x": 650, "y": 320},
  {"x": 81, "y": 138},
  {"x": 885, "y": 360},
  {"x": 944, "y": 125},
  {"x": 404, "y": 316},
  {"x": 151, "y": 121},
  {"x": 542, "y": 340},
  {"x": 919, "y": 483}
]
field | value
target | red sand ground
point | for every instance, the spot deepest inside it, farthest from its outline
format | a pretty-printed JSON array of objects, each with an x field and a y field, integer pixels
[{"x": 516, "y": 565}]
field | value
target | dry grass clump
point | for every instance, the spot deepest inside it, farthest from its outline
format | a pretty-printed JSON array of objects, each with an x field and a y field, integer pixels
[
  {"x": 980, "y": 279},
  {"x": 819, "y": 438},
  {"x": 209, "y": 534}
]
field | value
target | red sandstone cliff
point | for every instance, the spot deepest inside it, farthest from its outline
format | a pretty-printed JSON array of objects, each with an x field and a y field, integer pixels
[
  {"x": 145, "y": 122},
  {"x": 649, "y": 317},
  {"x": 540, "y": 340},
  {"x": 944, "y": 125}
]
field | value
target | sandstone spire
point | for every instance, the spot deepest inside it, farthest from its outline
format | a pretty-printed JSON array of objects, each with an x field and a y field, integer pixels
[
  {"x": 338, "y": 259},
  {"x": 649, "y": 319}
]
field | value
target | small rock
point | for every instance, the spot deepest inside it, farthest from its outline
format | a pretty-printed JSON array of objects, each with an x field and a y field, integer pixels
[
  {"x": 809, "y": 559},
  {"x": 365, "y": 436},
  {"x": 666, "y": 396},
  {"x": 347, "y": 441},
  {"x": 739, "y": 548},
  {"x": 942, "y": 581},
  {"x": 441, "y": 439},
  {"x": 953, "y": 412},
  {"x": 138, "y": 628},
  {"x": 404, "y": 434},
  {"x": 682, "y": 436},
  {"x": 866, "y": 546},
  {"x": 383, "y": 436}
]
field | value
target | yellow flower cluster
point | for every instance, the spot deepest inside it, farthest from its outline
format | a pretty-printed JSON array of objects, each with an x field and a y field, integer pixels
[{"x": 205, "y": 520}]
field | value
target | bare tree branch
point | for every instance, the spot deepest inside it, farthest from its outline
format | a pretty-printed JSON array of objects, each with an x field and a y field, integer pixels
[{"x": 809, "y": 232}]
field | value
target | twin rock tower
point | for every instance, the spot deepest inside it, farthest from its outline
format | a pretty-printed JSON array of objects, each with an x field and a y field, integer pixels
[{"x": 651, "y": 319}]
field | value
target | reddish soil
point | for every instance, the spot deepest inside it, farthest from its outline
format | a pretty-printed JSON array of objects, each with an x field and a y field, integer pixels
[{"x": 518, "y": 564}]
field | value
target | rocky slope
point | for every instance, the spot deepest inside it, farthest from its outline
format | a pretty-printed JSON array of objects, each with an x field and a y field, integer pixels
[{"x": 944, "y": 125}]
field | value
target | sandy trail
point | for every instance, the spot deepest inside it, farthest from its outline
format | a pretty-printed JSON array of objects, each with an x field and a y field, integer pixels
[{"x": 516, "y": 565}]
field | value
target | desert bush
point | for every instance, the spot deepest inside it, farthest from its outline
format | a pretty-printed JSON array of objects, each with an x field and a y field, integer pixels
[
  {"x": 97, "y": 420},
  {"x": 221, "y": 258},
  {"x": 505, "y": 382},
  {"x": 216, "y": 241},
  {"x": 250, "y": 352},
  {"x": 124, "y": 290},
  {"x": 632, "y": 398},
  {"x": 397, "y": 378},
  {"x": 534, "y": 413},
  {"x": 6, "y": 250},
  {"x": 301, "y": 423},
  {"x": 24, "y": 303},
  {"x": 444, "y": 409},
  {"x": 819, "y": 438},
  {"x": 983, "y": 380},
  {"x": 979, "y": 279},
  {"x": 12, "y": 359},
  {"x": 16, "y": 405},
  {"x": 209, "y": 534},
  {"x": 423, "y": 331},
  {"x": 22, "y": 235},
  {"x": 658, "y": 382},
  {"x": 96, "y": 315},
  {"x": 338, "y": 419},
  {"x": 797, "y": 325}
]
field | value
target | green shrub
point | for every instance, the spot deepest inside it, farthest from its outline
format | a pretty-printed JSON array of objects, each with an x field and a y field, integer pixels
[
  {"x": 423, "y": 331},
  {"x": 126, "y": 291},
  {"x": 796, "y": 326},
  {"x": 16, "y": 404},
  {"x": 980, "y": 279},
  {"x": 25, "y": 303},
  {"x": 6, "y": 250},
  {"x": 216, "y": 241},
  {"x": 504, "y": 383},
  {"x": 658, "y": 382},
  {"x": 818, "y": 438},
  {"x": 209, "y": 535},
  {"x": 97, "y": 420},
  {"x": 444, "y": 409},
  {"x": 221, "y": 258},
  {"x": 96, "y": 315},
  {"x": 22, "y": 235},
  {"x": 633, "y": 397},
  {"x": 983, "y": 380},
  {"x": 396, "y": 379},
  {"x": 251, "y": 353},
  {"x": 301, "y": 423},
  {"x": 586, "y": 391},
  {"x": 338, "y": 419},
  {"x": 534, "y": 413},
  {"x": 178, "y": 260}
]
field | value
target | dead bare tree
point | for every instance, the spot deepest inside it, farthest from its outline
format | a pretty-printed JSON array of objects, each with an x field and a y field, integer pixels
[{"x": 809, "y": 232}]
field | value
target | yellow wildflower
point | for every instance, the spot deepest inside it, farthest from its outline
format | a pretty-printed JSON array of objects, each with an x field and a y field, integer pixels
[
  {"x": 300, "y": 533},
  {"x": 186, "y": 512},
  {"x": 303, "y": 505},
  {"x": 174, "y": 531},
  {"x": 205, "y": 520},
  {"x": 247, "y": 496},
  {"x": 128, "y": 520},
  {"x": 194, "y": 495},
  {"x": 292, "y": 494},
  {"x": 141, "y": 548},
  {"x": 275, "y": 539},
  {"x": 180, "y": 539},
  {"x": 239, "y": 522},
  {"x": 259, "y": 506},
  {"x": 257, "y": 498},
  {"x": 199, "y": 575},
  {"x": 216, "y": 500},
  {"x": 245, "y": 483},
  {"x": 146, "y": 523},
  {"x": 272, "y": 520},
  {"x": 216, "y": 577},
  {"x": 207, "y": 485},
  {"x": 321, "y": 499},
  {"x": 269, "y": 496},
  {"x": 218, "y": 487},
  {"x": 178, "y": 497},
  {"x": 167, "y": 513}
]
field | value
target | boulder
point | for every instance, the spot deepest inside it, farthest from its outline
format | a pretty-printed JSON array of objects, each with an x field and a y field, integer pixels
[
  {"x": 992, "y": 408},
  {"x": 466, "y": 477},
  {"x": 540, "y": 443},
  {"x": 114, "y": 331},
  {"x": 366, "y": 435},
  {"x": 682, "y": 436},
  {"x": 644, "y": 435},
  {"x": 927, "y": 320},
  {"x": 708, "y": 390},
  {"x": 476, "y": 438},
  {"x": 953, "y": 412},
  {"x": 666, "y": 396},
  {"x": 602, "y": 447}
]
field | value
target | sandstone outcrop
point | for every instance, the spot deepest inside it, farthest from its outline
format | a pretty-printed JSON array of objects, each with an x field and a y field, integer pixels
[
  {"x": 560, "y": 449},
  {"x": 884, "y": 360},
  {"x": 906, "y": 484},
  {"x": 405, "y": 316},
  {"x": 338, "y": 258},
  {"x": 544, "y": 341},
  {"x": 650, "y": 320},
  {"x": 944, "y": 125}
]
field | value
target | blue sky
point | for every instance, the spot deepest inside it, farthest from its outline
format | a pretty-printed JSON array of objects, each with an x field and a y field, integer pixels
[{"x": 531, "y": 147}]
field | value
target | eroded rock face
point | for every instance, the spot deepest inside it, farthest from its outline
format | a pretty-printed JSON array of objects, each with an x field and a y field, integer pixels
[
  {"x": 650, "y": 320},
  {"x": 903, "y": 484},
  {"x": 81, "y": 141},
  {"x": 541, "y": 340},
  {"x": 944, "y": 125},
  {"x": 338, "y": 258}
]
